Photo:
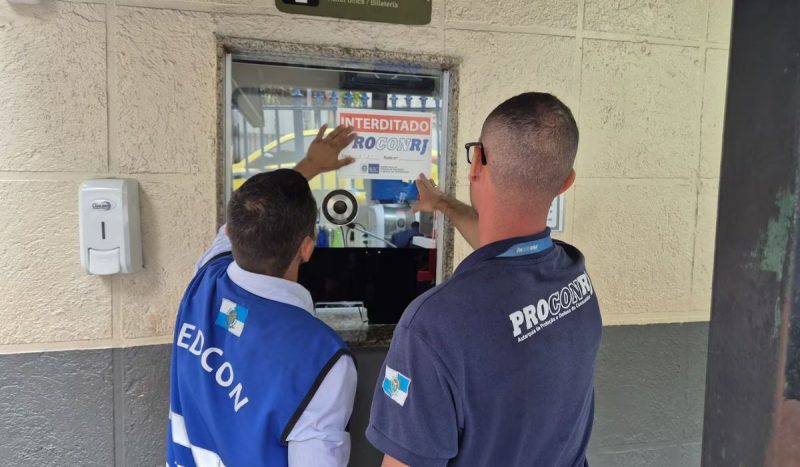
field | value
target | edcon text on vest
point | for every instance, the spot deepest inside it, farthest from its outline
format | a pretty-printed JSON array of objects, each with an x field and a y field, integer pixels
[{"x": 222, "y": 370}]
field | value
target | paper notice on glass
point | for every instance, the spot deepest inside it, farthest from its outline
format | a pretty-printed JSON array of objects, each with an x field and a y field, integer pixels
[{"x": 389, "y": 146}]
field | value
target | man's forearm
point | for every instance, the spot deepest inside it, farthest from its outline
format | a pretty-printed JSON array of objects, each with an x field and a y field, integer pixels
[
  {"x": 463, "y": 216},
  {"x": 306, "y": 169}
]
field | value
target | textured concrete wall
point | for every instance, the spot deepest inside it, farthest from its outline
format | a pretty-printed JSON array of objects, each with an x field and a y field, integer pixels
[
  {"x": 100, "y": 407},
  {"x": 650, "y": 390},
  {"x": 56, "y": 408},
  {"x": 128, "y": 88}
]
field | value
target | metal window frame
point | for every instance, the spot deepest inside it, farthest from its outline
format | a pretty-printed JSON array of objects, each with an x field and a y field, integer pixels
[{"x": 339, "y": 58}]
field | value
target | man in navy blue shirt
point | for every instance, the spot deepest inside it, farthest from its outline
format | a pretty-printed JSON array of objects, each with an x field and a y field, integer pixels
[{"x": 495, "y": 367}]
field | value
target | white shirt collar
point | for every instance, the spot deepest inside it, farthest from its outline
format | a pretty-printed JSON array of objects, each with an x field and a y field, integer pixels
[{"x": 271, "y": 288}]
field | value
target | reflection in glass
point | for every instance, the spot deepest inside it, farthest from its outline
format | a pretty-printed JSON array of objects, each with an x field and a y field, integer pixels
[{"x": 277, "y": 110}]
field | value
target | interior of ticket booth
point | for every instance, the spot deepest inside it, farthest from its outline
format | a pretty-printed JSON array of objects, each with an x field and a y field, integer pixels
[{"x": 275, "y": 111}]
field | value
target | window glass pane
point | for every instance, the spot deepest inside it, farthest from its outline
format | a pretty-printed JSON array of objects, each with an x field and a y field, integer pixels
[{"x": 276, "y": 111}]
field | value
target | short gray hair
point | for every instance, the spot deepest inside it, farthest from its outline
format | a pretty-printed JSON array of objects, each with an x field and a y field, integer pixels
[{"x": 532, "y": 141}]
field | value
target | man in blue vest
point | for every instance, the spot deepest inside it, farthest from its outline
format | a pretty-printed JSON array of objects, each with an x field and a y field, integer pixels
[
  {"x": 256, "y": 379},
  {"x": 496, "y": 366}
]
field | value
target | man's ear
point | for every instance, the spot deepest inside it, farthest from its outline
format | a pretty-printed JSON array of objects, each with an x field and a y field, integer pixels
[
  {"x": 307, "y": 249},
  {"x": 475, "y": 169},
  {"x": 568, "y": 182}
]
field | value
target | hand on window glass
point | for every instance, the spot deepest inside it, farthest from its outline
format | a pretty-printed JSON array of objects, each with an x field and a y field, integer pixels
[
  {"x": 323, "y": 153},
  {"x": 430, "y": 198}
]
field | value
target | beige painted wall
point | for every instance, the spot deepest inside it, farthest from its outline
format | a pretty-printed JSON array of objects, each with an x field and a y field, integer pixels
[{"x": 127, "y": 88}]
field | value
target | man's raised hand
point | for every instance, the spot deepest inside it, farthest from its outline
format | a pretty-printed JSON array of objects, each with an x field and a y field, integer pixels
[
  {"x": 430, "y": 198},
  {"x": 323, "y": 153}
]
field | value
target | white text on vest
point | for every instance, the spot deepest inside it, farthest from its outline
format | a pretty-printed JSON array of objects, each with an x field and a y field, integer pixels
[{"x": 224, "y": 372}]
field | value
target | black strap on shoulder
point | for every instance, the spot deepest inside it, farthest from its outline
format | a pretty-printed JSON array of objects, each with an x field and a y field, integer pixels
[
  {"x": 310, "y": 394},
  {"x": 213, "y": 258}
]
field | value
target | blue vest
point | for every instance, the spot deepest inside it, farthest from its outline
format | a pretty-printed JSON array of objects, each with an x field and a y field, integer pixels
[{"x": 244, "y": 368}]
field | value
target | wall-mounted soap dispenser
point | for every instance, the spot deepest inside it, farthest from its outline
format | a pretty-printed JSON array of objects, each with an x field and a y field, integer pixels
[{"x": 110, "y": 230}]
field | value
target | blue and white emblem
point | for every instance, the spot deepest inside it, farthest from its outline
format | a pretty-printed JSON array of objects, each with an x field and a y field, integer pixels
[
  {"x": 395, "y": 385},
  {"x": 231, "y": 317}
]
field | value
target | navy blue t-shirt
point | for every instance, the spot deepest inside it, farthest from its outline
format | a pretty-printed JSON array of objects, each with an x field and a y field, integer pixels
[{"x": 496, "y": 366}]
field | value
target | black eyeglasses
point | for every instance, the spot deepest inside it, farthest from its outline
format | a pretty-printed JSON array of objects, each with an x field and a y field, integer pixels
[{"x": 470, "y": 151}]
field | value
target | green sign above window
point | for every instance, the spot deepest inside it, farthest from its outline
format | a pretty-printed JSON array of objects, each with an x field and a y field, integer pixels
[{"x": 382, "y": 11}]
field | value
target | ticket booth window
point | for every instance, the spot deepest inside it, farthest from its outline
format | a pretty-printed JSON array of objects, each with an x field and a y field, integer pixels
[{"x": 368, "y": 232}]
